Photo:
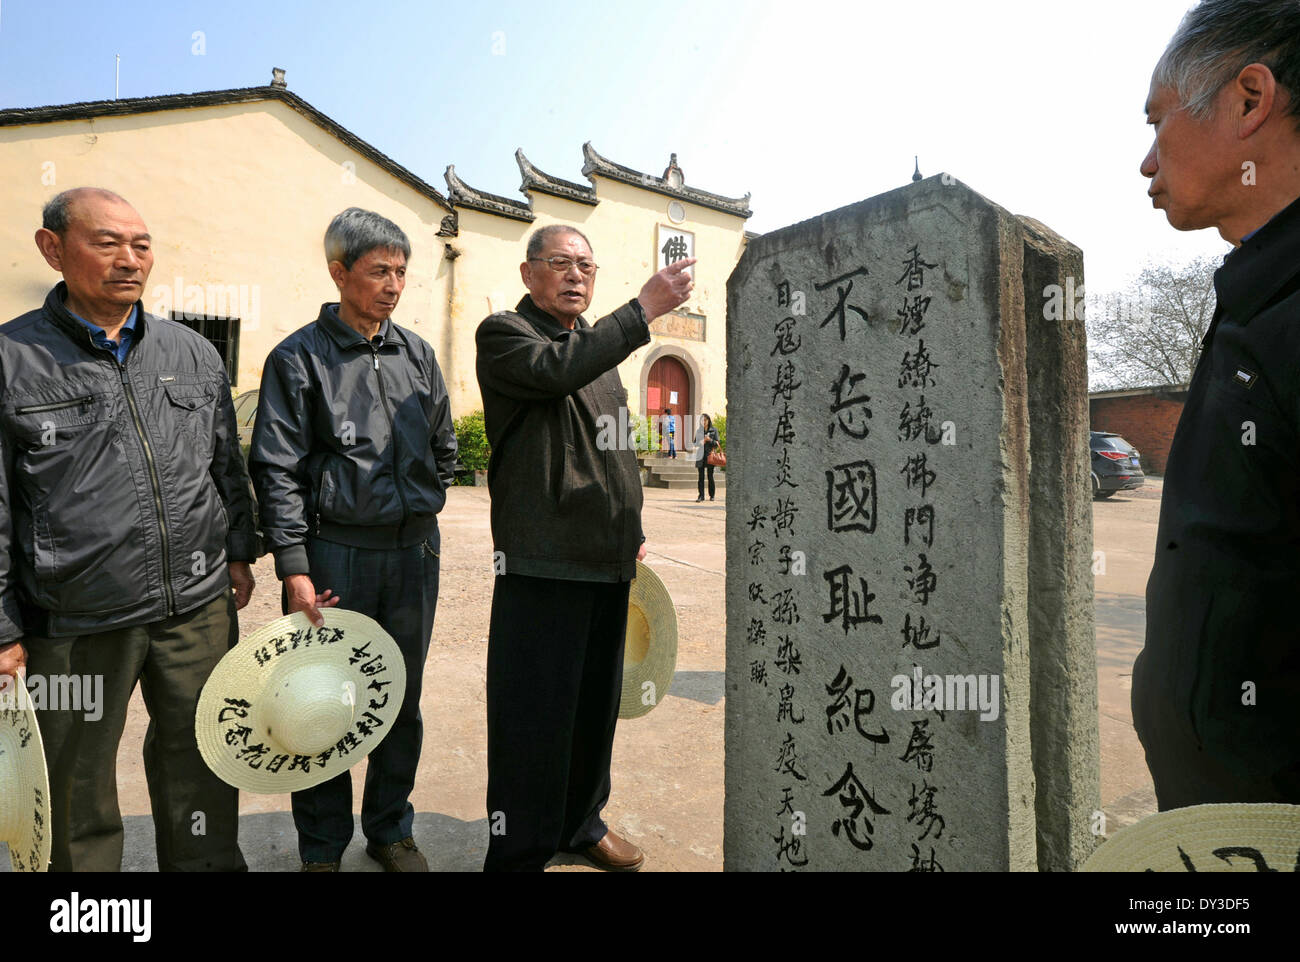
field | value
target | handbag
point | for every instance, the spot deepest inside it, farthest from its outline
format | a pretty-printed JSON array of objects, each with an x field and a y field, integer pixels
[{"x": 717, "y": 459}]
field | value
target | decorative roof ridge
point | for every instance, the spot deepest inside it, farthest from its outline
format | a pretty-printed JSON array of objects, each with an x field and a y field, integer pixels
[
  {"x": 463, "y": 195},
  {"x": 542, "y": 182},
  {"x": 595, "y": 164},
  {"x": 18, "y": 116}
]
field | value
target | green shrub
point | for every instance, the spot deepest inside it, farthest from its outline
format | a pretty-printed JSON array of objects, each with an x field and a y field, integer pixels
[
  {"x": 720, "y": 422},
  {"x": 472, "y": 448}
]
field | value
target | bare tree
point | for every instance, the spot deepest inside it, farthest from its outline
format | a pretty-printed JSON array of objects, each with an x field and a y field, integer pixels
[{"x": 1151, "y": 334}]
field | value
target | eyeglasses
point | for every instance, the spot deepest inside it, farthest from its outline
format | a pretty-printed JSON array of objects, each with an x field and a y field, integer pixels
[{"x": 561, "y": 265}]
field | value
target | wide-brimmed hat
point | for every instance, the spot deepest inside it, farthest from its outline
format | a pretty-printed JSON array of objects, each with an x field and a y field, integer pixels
[
  {"x": 650, "y": 651},
  {"x": 292, "y": 705},
  {"x": 1235, "y": 837},
  {"x": 24, "y": 781}
]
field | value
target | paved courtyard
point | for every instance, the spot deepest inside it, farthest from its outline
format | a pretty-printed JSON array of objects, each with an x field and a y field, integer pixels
[{"x": 667, "y": 775}]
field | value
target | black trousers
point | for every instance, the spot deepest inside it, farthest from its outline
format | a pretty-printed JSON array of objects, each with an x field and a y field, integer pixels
[
  {"x": 701, "y": 466},
  {"x": 398, "y": 587},
  {"x": 554, "y": 680}
]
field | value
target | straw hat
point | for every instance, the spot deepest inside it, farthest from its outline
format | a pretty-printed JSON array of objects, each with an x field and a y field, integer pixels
[
  {"x": 1234, "y": 837},
  {"x": 291, "y": 706},
  {"x": 24, "y": 781},
  {"x": 650, "y": 652}
]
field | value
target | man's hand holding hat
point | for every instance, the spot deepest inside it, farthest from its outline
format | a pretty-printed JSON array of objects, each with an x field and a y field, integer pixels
[{"x": 13, "y": 657}]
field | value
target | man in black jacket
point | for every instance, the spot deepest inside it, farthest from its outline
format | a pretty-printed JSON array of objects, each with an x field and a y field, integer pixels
[
  {"x": 1216, "y": 690},
  {"x": 352, "y": 451},
  {"x": 566, "y": 528},
  {"x": 124, "y": 523}
]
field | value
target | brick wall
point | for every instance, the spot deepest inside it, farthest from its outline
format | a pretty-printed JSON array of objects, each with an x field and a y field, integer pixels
[{"x": 1145, "y": 421}]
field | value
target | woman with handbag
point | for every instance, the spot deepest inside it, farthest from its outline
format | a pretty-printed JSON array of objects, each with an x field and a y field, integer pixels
[{"x": 707, "y": 452}]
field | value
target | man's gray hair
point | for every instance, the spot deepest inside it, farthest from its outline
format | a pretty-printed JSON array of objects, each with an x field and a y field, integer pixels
[
  {"x": 1217, "y": 38},
  {"x": 354, "y": 233},
  {"x": 538, "y": 239},
  {"x": 57, "y": 212}
]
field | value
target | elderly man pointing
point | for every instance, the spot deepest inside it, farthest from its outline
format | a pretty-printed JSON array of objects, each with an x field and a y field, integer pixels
[{"x": 566, "y": 526}]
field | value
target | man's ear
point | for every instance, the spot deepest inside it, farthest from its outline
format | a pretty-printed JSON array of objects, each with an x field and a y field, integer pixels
[
  {"x": 337, "y": 272},
  {"x": 1256, "y": 90},
  {"x": 525, "y": 274},
  {"x": 51, "y": 247}
]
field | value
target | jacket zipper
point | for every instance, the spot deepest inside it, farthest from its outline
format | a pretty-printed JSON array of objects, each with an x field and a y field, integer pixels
[
  {"x": 56, "y": 406},
  {"x": 324, "y": 476},
  {"x": 157, "y": 491},
  {"x": 392, "y": 430}
]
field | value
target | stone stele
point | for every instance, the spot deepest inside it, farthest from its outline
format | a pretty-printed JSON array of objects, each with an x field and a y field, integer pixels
[{"x": 911, "y": 674}]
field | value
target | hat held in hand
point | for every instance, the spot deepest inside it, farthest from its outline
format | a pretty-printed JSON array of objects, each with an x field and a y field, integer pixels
[
  {"x": 650, "y": 649},
  {"x": 293, "y": 705},
  {"x": 1232, "y": 837},
  {"x": 24, "y": 781}
]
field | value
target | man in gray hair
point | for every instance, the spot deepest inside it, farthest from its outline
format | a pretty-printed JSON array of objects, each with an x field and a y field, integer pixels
[
  {"x": 1216, "y": 687},
  {"x": 125, "y": 525},
  {"x": 352, "y": 451}
]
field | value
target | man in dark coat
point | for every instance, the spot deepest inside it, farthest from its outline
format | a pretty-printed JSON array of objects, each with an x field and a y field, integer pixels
[
  {"x": 352, "y": 452},
  {"x": 125, "y": 523},
  {"x": 566, "y": 528},
  {"x": 1216, "y": 690}
]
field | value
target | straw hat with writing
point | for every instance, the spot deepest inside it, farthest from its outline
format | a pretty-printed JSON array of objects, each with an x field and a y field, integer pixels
[
  {"x": 291, "y": 706},
  {"x": 24, "y": 781},
  {"x": 650, "y": 651},
  {"x": 1236, "y": 837}
]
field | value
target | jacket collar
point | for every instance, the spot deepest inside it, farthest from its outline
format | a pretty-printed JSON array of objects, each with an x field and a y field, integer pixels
[
  {"x": 347, "y": 338},
  {"x": 543, "y": 321},
  {"x": 1253, "y": 274},
  {"x": 64, "y": 320}
]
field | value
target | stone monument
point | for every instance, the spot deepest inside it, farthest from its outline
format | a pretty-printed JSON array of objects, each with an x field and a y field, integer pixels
[{"x": 911, "y": 677}]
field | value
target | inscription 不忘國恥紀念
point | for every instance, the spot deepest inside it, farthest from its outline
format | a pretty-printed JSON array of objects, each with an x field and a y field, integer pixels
[
  {"x": 850, "y": 604},
  {"x": 851, "y": 497},
  {"x": 854, "y": 797},
  {"x": 838, "y": 711},
  {"x": 843, "y": 288},
  {"x": 851, "y": 413}
]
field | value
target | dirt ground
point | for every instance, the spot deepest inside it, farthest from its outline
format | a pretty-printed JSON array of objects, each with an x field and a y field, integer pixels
[{"x": 668, "y": 765}]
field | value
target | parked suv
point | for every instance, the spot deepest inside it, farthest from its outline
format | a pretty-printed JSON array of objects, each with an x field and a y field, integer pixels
[{"x": 1115, "y": 465}]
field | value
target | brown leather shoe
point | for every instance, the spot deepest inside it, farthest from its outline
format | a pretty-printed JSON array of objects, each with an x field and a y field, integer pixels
[
  {"x": 615, "y": 854},
  {"x": 400, "y": 856},
  {"x": 319, "y": 867}
]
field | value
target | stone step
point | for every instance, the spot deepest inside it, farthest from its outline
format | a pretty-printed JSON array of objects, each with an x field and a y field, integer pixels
[
  {"x": 671, "y": 469},
  {"x": 676, "y": 472},
  {"x": 719, "y": 481}
]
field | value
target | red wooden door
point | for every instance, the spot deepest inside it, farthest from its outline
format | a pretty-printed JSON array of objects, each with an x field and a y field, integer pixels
[{"x": 668, "y": 380}]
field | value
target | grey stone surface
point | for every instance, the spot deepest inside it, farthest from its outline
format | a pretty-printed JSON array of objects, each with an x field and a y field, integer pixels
[
  {"x": 1062, "y": 630},
  {"x": 829, "y": 766}
]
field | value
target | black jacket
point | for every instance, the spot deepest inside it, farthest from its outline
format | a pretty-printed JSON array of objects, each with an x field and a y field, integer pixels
[
  {"x": 122, "y": 492},
  {"x": 1221, "y": 600},
  {"x": 353, "y": 441},
  {"x": 565, "y": 485}
]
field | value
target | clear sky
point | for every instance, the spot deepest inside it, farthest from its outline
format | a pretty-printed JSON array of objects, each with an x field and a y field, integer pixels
[{"x": 808, "y": 105}]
